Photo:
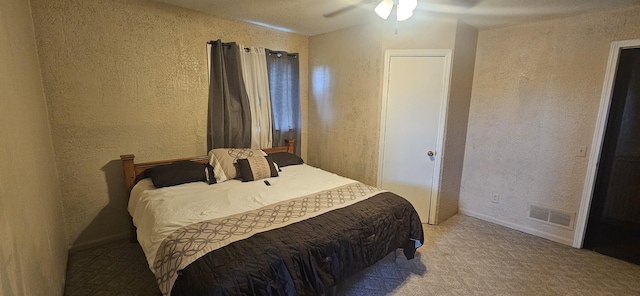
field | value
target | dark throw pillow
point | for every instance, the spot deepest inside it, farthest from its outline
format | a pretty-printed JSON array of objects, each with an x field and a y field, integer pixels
[
  {"x": 256, "y": 168},
  {"x": 284, "y": 159},
  {"x": 177, "y": 173},
  {"x": 210, "y": 176}
]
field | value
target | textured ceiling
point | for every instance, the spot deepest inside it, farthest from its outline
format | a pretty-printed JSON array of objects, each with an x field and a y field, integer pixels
[{"x": 306, "y": 16}]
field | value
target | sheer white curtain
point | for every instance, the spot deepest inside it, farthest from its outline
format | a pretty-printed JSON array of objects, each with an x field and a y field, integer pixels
[{"x": 254, "y": 72}]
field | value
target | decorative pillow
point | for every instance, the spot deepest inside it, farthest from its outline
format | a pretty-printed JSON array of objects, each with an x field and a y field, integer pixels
[
  {"x": 176, "y": 173},
  {"x": 210, "y": 176},
  {"x": 224, "y": 161},
  {"x": 284, "y": 159},
  {"x": 256, "y": 168}
]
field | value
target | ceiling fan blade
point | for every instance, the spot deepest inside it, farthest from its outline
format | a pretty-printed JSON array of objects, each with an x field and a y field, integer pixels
[
  {"x": 346, "y": 8},
  {"x": 341, "y": 10}
]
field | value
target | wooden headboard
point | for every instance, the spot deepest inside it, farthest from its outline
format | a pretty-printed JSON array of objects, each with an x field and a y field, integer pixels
[{"x": 133, "y": 172}]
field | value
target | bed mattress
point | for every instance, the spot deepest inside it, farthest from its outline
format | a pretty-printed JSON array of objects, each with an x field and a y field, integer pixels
[{"x": 344, "y": 227}]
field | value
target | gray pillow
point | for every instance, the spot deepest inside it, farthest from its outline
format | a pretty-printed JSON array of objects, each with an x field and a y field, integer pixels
[
  {"x": 176, "y": 173},
  {"x": 284, "y": 159}
]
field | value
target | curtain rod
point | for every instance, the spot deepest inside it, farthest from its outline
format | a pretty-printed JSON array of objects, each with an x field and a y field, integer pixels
[
  {"x": 280, "y": 53},
  {"x": 227, "y": 44},
  {"x": 247, "y": 49}
]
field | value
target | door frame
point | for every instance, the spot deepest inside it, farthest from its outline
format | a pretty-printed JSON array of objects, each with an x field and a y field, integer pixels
[
  {"x": 446, "y": 54},
  {"x": 598, "y": 137}
]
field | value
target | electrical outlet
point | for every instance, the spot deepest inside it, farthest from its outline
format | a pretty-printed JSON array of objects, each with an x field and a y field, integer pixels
[{"x": 495, "y": 199}]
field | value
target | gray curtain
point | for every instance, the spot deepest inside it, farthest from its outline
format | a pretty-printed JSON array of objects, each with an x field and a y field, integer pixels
[
  {"x": 284, "y": 87},
  {"x": 229, "y": 118}
]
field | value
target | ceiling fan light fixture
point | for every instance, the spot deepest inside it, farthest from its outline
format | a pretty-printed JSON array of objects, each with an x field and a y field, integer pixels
[
  {"x": 384, "y": 8},
  {"x": 404, "y": 15},
  {"x": 409, "y": 5},
  {"x": 405, "y": 9}
]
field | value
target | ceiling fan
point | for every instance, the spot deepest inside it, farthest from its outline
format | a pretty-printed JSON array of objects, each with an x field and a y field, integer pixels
[{"x": 404, "y": 8}]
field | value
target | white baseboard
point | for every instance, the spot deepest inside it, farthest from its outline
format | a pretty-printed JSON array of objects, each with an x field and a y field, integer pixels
[
  {"x": 518, "y": 227},
  {"x": 97, "y": 242}
]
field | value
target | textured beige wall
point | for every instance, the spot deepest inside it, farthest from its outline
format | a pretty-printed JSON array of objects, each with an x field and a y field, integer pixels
[
  {"x": 344, "y": 101},
  {"x": 464, "y": 55},
  {"x": 33, "y": 248},
  {"x": 346, "y": 71},
  {"x": 129, "y": 77},
  {"x": 535, "y": 99}
]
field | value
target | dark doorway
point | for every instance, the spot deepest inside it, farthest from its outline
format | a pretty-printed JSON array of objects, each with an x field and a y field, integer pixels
[{"x": 613, "y": 228}]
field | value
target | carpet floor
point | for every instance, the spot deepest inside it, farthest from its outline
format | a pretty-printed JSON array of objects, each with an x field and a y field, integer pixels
[{"x": 462, "y": 256}]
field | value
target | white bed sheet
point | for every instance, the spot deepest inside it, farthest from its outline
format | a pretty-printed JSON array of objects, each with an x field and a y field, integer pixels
[{"x": 158, "y": 212}]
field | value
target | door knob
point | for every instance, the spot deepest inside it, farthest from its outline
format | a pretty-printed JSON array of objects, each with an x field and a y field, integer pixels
[{"x": 431, "y": 153}]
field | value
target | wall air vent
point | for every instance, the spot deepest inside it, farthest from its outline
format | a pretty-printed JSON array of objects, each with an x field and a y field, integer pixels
[
  {"x": 551, "y": 216},
  {"x": 538, "y": 213}
]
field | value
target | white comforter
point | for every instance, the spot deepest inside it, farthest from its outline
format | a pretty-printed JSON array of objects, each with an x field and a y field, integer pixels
[{"x": 157, "y": 212}]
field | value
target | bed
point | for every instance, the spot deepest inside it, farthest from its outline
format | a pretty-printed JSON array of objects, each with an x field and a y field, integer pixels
[{"x": 301, "y": 232}]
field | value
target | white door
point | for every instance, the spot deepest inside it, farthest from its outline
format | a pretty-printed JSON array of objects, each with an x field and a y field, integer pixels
[{"x": 413, "y": 111}]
